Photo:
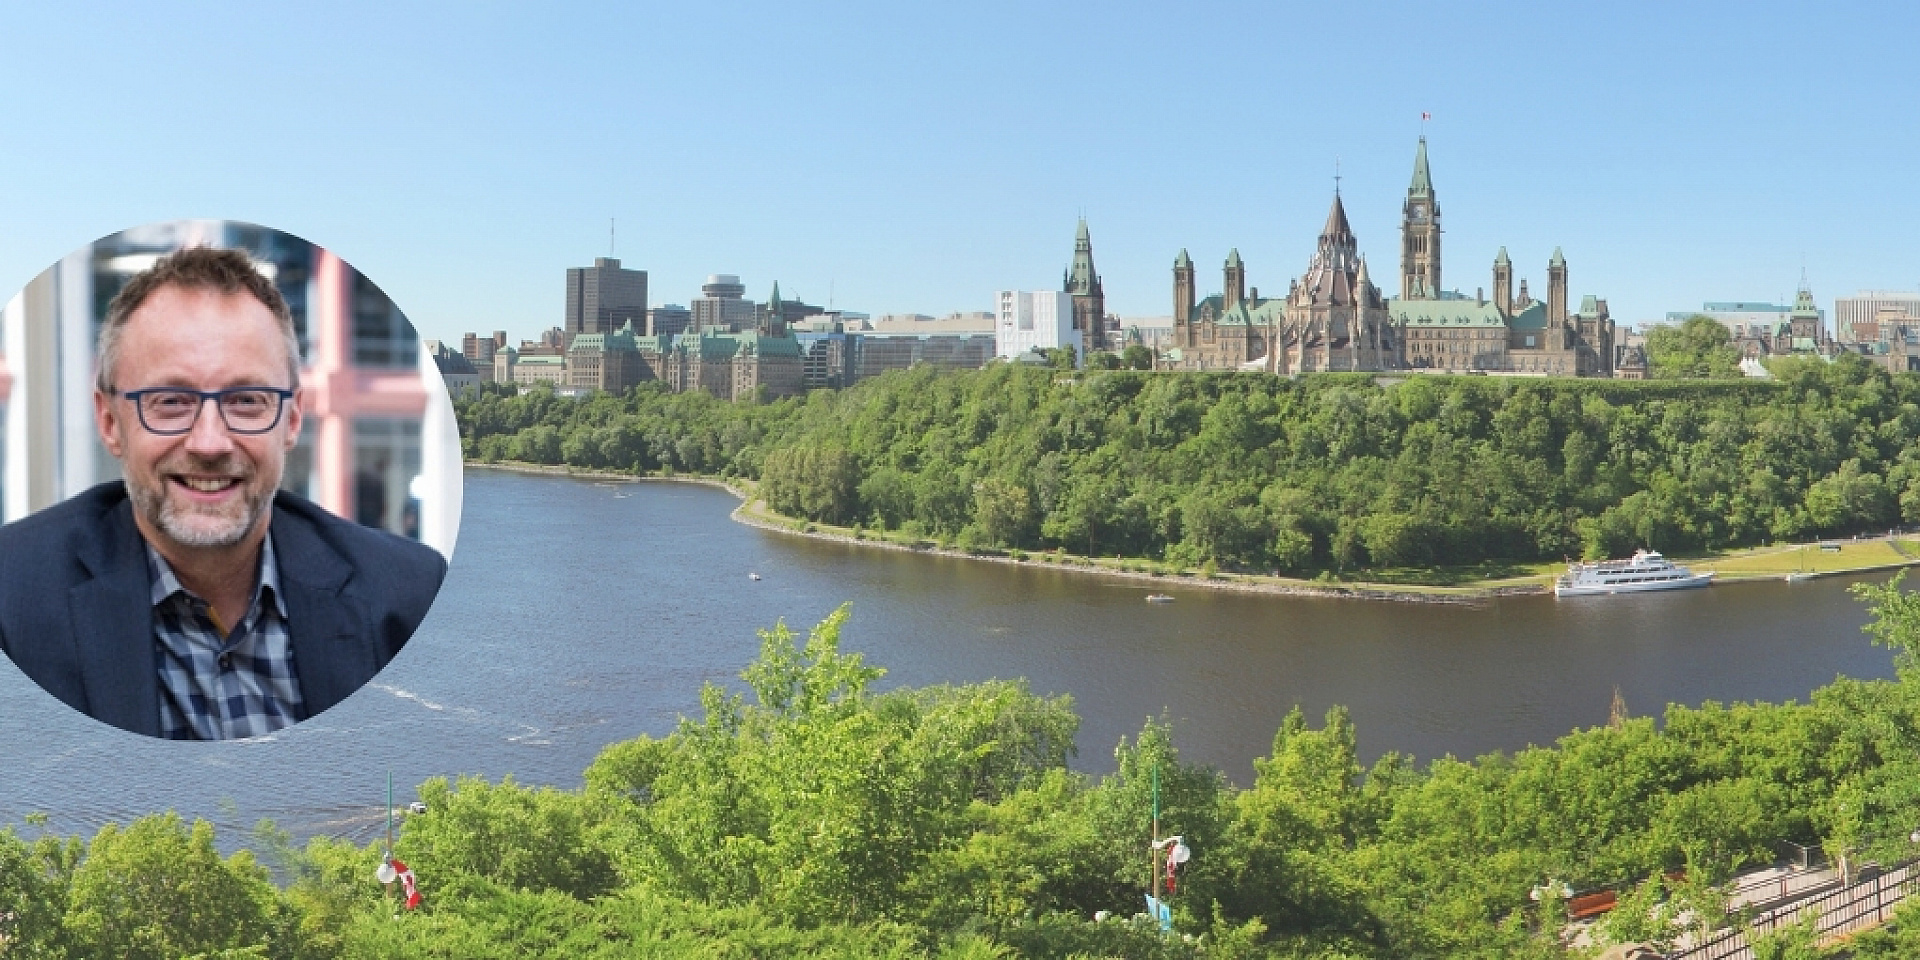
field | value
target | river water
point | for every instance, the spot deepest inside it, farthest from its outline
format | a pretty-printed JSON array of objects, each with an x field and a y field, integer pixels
[{"x": 577, "y": 614}]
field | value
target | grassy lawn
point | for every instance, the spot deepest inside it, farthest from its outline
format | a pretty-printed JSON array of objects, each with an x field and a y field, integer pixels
[{"x": 1780, "y": 561}]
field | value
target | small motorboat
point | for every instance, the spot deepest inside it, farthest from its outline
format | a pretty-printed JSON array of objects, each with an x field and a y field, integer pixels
[
  {"x": 753, "y": 576},
  {"x": 1158, "y": 598}
]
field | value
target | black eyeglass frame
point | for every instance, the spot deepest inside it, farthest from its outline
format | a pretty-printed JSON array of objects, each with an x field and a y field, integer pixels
[{"x": 279, "y": 408}]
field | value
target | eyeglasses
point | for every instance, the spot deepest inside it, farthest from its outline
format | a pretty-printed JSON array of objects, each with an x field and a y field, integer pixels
[{"x": 171, "y": 411}]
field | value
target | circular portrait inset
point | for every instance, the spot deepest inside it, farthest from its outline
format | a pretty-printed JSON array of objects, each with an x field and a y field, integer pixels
[{"x": 229, "y": 480}]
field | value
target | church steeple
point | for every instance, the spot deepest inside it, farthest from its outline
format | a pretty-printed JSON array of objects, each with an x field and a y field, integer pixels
[{"x": 1420, "y": 234}]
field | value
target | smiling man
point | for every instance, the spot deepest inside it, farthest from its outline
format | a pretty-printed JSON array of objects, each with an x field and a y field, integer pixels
[{"x": 195, "y": 600}]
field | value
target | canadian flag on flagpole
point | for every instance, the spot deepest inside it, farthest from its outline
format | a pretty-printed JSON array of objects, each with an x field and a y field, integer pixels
[
  {"x": 1425, "y": 115},
  {"x": 405, "y": 877}
]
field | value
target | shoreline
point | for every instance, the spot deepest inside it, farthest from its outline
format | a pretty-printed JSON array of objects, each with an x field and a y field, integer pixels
[{"x": 746, "y": 513}]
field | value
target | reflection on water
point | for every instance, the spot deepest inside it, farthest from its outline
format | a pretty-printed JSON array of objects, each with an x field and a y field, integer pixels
[{"x": 577, "y": 614}]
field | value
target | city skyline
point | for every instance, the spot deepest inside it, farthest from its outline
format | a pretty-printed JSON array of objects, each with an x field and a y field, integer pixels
[{"x": 917, "y": 162}]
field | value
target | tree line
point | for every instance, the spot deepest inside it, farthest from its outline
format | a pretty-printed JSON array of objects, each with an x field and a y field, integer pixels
[
  {"x": 1323, "y": 474},
  {"x": 807, "y": 812}
]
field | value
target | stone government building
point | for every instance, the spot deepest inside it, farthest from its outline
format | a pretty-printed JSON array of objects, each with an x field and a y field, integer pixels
[{"x": 1334, "y": 318}]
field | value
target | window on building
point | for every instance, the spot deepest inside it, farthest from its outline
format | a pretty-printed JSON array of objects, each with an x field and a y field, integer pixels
[
  {"x": 386, "y": 459},
  {"x": 381, "y": 335}
]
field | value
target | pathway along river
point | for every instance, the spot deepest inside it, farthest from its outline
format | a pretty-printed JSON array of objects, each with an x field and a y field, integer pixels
[{"x": 577, "y": 614}]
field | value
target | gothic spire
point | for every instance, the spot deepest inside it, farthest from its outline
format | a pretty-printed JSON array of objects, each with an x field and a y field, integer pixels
[
  {"x": 1081, "y": 280},
  {"x": 1422, "y": 185},
  {"x": 1337, "y": 227}
]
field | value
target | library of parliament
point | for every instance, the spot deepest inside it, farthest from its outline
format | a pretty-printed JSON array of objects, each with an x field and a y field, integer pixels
[{"x": 1334, "y": 319}]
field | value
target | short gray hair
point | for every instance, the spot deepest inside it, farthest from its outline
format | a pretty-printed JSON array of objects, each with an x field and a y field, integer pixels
[{"x": 228, "y": 272}]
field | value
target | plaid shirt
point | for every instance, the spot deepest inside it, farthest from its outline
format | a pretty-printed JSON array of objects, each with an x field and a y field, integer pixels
[{"x": 215, "y": 687}]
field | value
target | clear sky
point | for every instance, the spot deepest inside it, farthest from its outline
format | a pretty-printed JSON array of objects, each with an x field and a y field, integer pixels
[{"x": 905, "y": 157}]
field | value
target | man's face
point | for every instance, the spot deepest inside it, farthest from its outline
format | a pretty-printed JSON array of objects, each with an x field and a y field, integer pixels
[{"x": 208, "y": 487}]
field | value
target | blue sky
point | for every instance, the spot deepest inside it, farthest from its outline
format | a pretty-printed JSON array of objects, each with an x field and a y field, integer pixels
[{"x": 914, "y": 158}]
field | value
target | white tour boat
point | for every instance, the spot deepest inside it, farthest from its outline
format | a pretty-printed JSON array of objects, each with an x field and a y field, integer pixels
[{"x": 1646, "y": 571}]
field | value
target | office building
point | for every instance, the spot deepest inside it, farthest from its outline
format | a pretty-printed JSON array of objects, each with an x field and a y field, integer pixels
[
  {"x": 668, "y": 319},
  {"x": 722, "y": 305},
  {"x": 608, "y": 362},
  {"x": 1856, "y": 318},
  {"x": 602, "y": 297},
  {"x": 1036, "y": 320}
]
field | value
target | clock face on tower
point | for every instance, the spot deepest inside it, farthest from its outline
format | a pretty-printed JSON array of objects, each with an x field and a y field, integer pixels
[{"x": 1419, "y": 214}]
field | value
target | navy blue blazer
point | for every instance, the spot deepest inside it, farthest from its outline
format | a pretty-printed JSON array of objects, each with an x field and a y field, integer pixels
[{"x": 76, "y": 609}]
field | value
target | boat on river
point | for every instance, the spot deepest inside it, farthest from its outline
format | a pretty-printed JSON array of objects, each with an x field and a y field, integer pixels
[
  {"x": 1158, "y": 598},
  {"x": 1647, "y": 570}
]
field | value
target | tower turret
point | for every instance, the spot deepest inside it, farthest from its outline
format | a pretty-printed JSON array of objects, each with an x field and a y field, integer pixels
[
  {"x": 775, "y": 324},
  {"x": 1235, "y": 289},
  {"x": 1557, "y": 289},
  {"x": 1420, "y": 234},
  {"x": 1503, "y": 284},
  {"x": 1083, "y": 284},
  {"x": 1183, "y": 290},
  {"x": 1805, "y": 318}
]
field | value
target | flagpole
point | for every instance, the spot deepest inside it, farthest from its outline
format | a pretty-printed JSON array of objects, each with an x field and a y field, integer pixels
[{"x": 1155, "y": 850}]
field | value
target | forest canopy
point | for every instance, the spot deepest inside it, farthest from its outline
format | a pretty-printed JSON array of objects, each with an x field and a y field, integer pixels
[{"x": 1262, "y": 473}]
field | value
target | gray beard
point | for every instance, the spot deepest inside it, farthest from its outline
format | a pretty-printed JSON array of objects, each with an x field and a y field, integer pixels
[{"x": 189, "y": 528}]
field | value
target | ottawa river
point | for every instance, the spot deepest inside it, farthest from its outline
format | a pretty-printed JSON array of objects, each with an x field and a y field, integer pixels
[{"x": 577, "y": 614}]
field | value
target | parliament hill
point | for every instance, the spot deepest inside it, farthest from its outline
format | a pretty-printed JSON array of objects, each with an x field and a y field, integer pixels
[{"x": 1334, "y": 318}]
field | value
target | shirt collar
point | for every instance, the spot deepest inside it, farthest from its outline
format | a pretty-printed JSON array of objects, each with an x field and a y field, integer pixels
[{"x": 165, "y": 584}]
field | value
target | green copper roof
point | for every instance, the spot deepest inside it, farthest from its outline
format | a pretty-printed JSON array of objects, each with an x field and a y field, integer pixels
[
  {"x": 1081, "y": 280},
  {"x": 1246, "y": 313},
  {"x": 1444, "y": 313},
  {"x": 1803, "y": 305},
  {"x": 1502, "y": 258},
  {"x": 1589, "y": 306},
  {"x": 1422, "y": 185},
  {"x": 1558, "y": 260},
  {"x": 1183, "y": 260},
  {"x": 1533, "y": 317},
  {"x": 1233, "y": 257}
]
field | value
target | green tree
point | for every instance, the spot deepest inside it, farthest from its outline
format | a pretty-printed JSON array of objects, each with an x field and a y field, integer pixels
[
  {"x": 157, "y": 889},
  {"x": 1699, "y": 348},
  {"x": 34, "y": 878}
]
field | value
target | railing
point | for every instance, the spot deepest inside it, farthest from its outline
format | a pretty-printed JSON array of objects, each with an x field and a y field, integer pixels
[{"x": 1857, "y": 907}]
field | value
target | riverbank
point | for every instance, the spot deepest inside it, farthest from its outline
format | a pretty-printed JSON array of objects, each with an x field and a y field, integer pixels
[{"x": 1775, "y": 563}]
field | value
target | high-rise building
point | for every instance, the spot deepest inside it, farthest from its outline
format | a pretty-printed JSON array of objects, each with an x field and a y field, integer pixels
[
  {"x": 1855, "y": 318},
  {"x": 668, "y": 319},
  {"x": 1038, "y": 320},
  {"x": 604, "y": 296},
  {"x": 722, "y": 305}
]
